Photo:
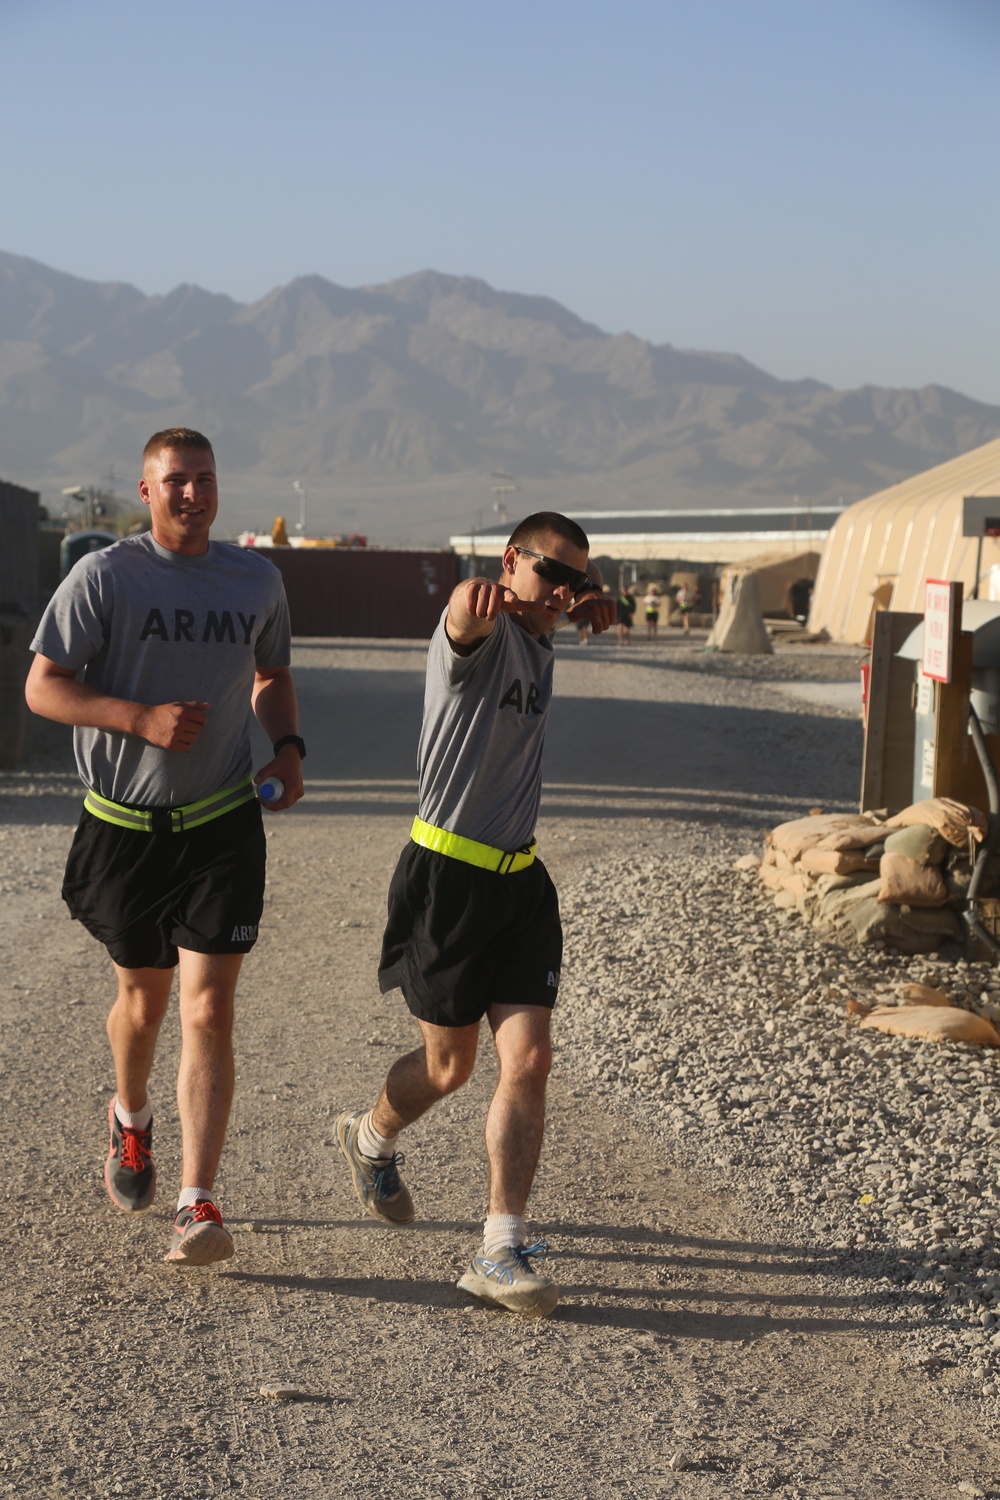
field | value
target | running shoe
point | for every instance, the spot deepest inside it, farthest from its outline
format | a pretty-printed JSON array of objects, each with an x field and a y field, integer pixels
[
  {"x": 199, "y": 1237},
  {"x": 511, "y": 1281},
  {"x": 129, "y": 1173},
  {"x": 376, "y": 1181}
]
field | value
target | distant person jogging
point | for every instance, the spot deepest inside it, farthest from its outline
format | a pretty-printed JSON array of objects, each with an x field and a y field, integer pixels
[
  {"x": 686, "y": 598},
  {"x": 156, "y": 650},
  {"x": 473, "y": 927},
  {"x": 624, "y": 610},
  {"x": 651, "y": 604}
]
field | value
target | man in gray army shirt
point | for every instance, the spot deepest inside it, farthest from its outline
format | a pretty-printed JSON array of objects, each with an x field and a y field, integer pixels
[
  {"x": 473, "y": 927},
  {"x": 157, "y": 650}
]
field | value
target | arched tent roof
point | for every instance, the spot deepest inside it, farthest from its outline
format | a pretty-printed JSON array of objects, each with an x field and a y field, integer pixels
[{"x": 901, "y": 537}]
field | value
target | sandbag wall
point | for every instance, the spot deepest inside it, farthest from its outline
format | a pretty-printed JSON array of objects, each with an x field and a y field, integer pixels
[{"x": 898, "y": 881}]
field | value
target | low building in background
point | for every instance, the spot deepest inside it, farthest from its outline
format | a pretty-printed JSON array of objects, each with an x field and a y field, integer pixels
[{"x": 675, "y": 537}]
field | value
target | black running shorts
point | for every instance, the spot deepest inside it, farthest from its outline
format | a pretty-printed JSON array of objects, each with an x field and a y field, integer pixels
[
  {"x": 459, "y": 939},
  {"x": 144, "y": 895}
]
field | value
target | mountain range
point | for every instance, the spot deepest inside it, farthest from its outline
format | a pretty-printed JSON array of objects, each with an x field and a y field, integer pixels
[{"x": 394, "y": 405}]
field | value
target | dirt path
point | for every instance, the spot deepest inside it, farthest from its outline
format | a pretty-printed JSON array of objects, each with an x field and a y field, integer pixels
[{"x": 688, "y": 1356}]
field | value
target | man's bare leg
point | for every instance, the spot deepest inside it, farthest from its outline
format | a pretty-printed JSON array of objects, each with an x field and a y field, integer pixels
[
  {"x": 133, "y": 1025},
  {"x": 516, "y": 1120},
  {"x": 421, "y": 1078},
  {"x": 207, "y": 1072},
  {"x": 416, "y": 1081},
  {"x": 504, "y": 1274},
  {"x": 204, "y": 1097}
]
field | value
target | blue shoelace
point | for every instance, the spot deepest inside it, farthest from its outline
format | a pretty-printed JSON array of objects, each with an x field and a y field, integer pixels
[
  {"x": 387, "y": 1177},
  {"x": 520, "y": 1258}
]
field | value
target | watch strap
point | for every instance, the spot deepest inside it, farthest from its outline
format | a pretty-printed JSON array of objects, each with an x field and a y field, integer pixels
[{"x": 291, "y": 739}]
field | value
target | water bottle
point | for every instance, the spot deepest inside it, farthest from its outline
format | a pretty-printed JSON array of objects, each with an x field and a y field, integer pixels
[{"x": 271, "y": 789}]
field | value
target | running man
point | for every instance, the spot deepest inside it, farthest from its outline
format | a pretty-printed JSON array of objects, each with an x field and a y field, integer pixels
[
  {"x": 156, "y": 650},
  {"x": 473, "y": 926}
]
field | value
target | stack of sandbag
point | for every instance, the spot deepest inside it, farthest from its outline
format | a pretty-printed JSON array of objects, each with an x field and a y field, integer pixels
[{"x": 898, "y": 881}]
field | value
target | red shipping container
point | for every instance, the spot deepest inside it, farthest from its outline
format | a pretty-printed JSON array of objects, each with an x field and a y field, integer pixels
[{"x": 347, "y": 591}]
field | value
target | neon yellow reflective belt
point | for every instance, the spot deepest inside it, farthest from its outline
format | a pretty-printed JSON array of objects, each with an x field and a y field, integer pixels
[
  {"x": 171, "y": 819},
  {"x": 500, "y": 861}
]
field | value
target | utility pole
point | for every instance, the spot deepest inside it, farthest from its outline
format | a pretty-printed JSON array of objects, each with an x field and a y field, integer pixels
[{"x": 506, "y": 487}]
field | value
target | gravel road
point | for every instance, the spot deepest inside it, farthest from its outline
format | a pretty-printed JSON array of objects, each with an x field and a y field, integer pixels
[{"x": 774, "y": 1233}]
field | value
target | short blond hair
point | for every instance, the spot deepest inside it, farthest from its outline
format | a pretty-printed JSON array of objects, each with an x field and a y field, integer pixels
[{"x": 176, "y": 437}]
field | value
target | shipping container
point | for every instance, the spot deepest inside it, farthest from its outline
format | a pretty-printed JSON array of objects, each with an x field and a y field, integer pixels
[
  {"x": 341, "y": 591},
  {"x": 19, "y": 552}
]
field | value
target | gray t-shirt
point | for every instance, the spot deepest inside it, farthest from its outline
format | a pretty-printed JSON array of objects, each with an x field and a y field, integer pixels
[
  {"x": 149, "y": 625},
  {"x": 480, "y": 751}
]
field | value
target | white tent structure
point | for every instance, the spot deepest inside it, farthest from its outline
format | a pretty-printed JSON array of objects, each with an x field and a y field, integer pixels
[{"x": 882, "y": 550}]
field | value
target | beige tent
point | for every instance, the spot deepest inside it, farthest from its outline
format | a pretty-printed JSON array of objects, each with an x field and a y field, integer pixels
[
  {"x": 740, "y": 626},
  {"x": 776, "y": 572},
  {"x": 882, "y": 550}
]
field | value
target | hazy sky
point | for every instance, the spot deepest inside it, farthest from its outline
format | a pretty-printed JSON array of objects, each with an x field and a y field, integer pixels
[{"x": 810, "y": 183}]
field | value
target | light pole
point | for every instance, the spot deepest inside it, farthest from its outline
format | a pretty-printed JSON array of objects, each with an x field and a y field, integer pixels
[
  {"x": 84, "y": 498},
  {"x": 301, "y": 491}
]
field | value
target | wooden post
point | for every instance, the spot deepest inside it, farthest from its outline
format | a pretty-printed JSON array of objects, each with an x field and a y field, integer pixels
[{"x": 887, "y": 772}]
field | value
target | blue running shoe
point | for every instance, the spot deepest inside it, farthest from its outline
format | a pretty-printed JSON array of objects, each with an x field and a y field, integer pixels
[
  {"x": 376, "y": 1182},
  {"x": 511, "y": 1281}
]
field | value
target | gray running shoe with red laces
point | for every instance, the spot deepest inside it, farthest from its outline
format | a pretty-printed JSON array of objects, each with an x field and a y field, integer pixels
[
  {"x": 129, "y": 1173},
  {"x": 199, "y": 1237}
]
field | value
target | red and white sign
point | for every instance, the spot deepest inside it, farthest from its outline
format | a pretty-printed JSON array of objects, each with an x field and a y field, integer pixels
[{"x": 938, "y": 642}]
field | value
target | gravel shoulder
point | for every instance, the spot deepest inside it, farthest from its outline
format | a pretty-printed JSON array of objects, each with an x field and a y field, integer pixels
[{"x": 741, "y": 1312}]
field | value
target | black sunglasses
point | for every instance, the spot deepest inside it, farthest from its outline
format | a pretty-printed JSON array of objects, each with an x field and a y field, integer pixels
[{"x": 558, "y": 573}]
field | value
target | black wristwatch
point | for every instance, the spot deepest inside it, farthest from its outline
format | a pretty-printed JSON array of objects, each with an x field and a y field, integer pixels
[{"x": 291, "y": 739}]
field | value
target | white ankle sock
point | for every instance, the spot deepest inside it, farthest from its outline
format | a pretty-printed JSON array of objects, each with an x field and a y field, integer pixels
[
  {"x": 190, "y": 1196},
  {"x": 135, "y": 1119},
  {"x": 371, "y": 1144},
  {"x": 500, "y": 1232}
]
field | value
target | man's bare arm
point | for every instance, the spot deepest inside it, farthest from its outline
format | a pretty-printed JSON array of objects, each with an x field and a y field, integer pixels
[
  {"x": 473, "y": 610},
  {"x": 276, "y": 708},
  {"x": 54, "y": 693}
]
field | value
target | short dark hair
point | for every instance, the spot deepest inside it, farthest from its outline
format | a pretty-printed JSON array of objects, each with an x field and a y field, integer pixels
[
  {"x": 176, "y": 437},
  {"x": 532, "y": 527}
]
